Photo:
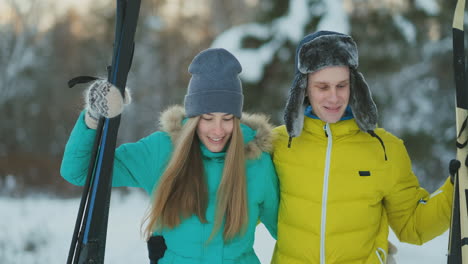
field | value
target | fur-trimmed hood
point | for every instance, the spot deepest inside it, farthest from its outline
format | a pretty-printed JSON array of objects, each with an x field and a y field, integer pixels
[{"x": 257, "y": 142}]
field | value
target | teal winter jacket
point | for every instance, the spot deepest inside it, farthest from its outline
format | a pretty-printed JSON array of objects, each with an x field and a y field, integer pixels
[{"x": 141, "y": 164}]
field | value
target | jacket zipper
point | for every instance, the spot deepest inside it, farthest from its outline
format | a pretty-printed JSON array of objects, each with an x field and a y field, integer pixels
[{"x": 325, "y": 193}]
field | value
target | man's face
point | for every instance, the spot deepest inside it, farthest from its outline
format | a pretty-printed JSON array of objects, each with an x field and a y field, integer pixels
[{"x": 328, "y": 90}]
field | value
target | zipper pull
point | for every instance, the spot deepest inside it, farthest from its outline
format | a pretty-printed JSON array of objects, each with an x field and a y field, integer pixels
[{"x": 325, "y": 129}]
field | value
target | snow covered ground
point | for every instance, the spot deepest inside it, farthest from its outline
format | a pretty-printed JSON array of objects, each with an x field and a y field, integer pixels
[{"x": 38, "y": 229}]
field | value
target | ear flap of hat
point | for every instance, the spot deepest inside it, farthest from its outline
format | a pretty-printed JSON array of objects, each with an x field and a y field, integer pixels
[
  {"x": 294, "y": 111},
  {"x": 361, "y": 103}
]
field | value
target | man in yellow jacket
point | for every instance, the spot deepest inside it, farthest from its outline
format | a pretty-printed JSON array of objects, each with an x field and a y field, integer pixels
[{"x": 343, "y": 181}]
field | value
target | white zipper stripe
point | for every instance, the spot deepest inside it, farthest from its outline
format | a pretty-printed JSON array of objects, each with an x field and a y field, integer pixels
[
  {"x": 325, "y": 195},
  {"x": 435, "y": 193},
  {"x": 382, "y": 261}
]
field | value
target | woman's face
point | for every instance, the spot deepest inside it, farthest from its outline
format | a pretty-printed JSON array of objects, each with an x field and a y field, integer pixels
[
  {"x": 328, "y": 91},
  {"x": 214, "y": 130}
]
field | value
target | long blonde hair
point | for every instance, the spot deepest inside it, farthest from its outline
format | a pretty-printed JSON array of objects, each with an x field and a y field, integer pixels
[{"x": 182, "y": 190}]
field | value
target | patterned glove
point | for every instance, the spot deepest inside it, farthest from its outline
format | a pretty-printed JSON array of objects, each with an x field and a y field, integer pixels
[{"x": 104, "y": 99}]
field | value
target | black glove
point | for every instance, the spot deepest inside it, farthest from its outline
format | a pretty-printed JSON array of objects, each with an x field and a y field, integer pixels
[
  {"x": 453, "y": 169},
  {"x": 156, "y": 248}
]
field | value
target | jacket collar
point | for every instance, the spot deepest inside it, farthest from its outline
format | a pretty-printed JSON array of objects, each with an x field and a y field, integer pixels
[{"x": 338, "y": 129}]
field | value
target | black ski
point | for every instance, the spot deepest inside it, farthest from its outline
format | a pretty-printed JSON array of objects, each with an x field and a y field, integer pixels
[
  {"x": 89, "y": 237},
  {"x": 458, "y": 241}
]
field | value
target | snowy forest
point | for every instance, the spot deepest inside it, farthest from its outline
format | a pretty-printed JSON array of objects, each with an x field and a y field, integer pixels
[{"x": 405, "y": 54}]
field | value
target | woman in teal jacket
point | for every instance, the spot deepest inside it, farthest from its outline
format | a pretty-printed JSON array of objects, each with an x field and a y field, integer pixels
[{"x": 208, "y": 171}]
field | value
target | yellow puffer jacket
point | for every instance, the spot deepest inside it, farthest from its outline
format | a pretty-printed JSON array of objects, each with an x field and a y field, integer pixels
[{"x": 339, "y": 195}]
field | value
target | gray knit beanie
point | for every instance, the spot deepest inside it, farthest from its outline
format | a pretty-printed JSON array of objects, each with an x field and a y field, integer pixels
[{"x": 215, "y": 85}]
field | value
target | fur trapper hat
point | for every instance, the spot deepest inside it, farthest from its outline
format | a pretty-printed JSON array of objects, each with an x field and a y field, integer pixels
[{"x": 315, "y": 52}]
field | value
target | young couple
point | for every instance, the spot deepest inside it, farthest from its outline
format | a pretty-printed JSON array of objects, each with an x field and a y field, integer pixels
[{"x": 327, "y": 185}]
